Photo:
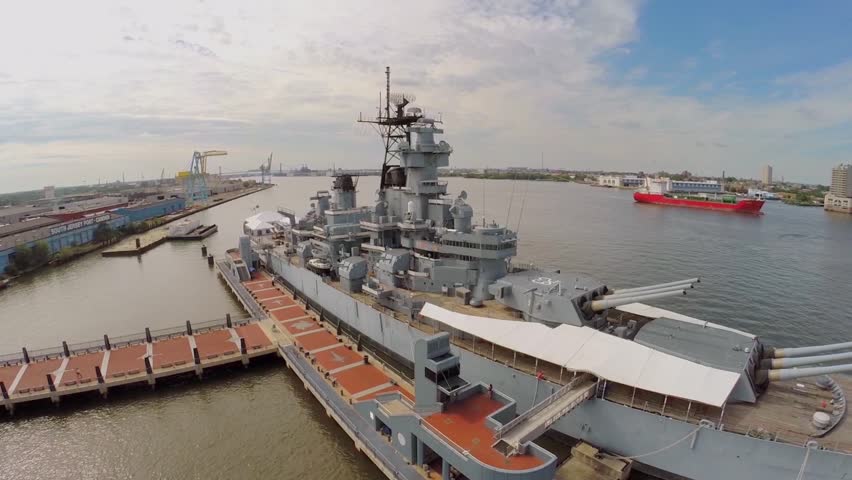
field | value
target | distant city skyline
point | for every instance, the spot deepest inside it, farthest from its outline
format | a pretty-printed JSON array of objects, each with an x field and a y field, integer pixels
[{"x": 110, "y": 88}]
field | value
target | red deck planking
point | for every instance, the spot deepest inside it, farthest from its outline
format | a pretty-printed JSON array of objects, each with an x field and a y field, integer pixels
[
  {"x": 215, "y": 343},
  {"x": 360, "y": 378},
  {"x": 395, "y": 388},
  {"x": 313, "y": 341},
  {"x": 301, "y": 326},
  {"x": 35, "y": 377},
  {"x": 464, "y": 423},
  {"x": 81, "y": 369},
  {"x": 128, "y": 360},
  {"x": 172, "y": 352},
  {"x": 260, "y": 285},
  {"x": 337, "y": 357},
  {"x": 277, "y": 303},
  {"x": 288, "y": 313},
  {"x": 266, "y": 294},
  {"x": 255, "y": 338},
  {"x": 8, "y": 374}
]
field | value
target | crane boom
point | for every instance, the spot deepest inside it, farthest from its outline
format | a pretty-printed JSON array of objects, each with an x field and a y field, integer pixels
[{"x": 209, "y": 153}]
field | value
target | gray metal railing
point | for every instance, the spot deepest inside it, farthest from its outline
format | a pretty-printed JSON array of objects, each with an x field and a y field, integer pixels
[
  {"x": 498, "y": 433},
  {"x": 122, "y": 341}
]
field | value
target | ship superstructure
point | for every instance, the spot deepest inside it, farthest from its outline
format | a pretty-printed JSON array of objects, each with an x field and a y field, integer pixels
[{"x": 576, "y": 355}]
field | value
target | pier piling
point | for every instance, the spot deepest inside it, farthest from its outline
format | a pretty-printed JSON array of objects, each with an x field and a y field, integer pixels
[
  {"x": 138, "y": 243},
  {"x": 65, "y": 349},
  {"x": 204, "y": 250},
  {"x": 26, "y": 355},
  {"x": 150, "y": 371},
  {"x": 198, "y": 369},
  {"x": 189, "y": 329},
  {"x": 101, "y": 383},
  {"x": 244, "y": 351},
  {"x": 106, "y": 342},
  {"x": 228, "y": 321},
  {"x": 3, "y": 391},
  {"x": 148, "y": 338},
  {"x": 210, "y": 260}
]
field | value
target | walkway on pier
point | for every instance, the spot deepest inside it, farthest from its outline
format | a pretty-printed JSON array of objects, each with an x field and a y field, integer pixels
[{"x": 291, "y": 323}]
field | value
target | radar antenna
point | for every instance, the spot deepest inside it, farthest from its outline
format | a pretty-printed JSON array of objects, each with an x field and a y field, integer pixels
[{"x": 393, "y": 129}]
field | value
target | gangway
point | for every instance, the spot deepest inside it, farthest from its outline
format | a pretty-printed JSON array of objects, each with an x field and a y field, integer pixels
[{"x": 510, "y": 438}]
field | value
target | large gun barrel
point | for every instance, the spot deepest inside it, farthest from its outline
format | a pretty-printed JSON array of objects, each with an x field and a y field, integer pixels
[
  {"x": 657, "y": 286},
  {"x": 805, "y": 351},
  {"x": 649, "y": 292},
  {"x": 800, "y": 361},
  {"x": 603, "y": 304},
  {"x": 792, "y": 373}
]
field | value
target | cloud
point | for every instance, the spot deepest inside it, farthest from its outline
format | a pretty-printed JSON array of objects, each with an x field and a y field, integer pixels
[{"x": 508, "y": 78}]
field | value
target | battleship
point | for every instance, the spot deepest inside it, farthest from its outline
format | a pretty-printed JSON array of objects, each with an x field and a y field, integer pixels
[{"x": 429, "y": 289}]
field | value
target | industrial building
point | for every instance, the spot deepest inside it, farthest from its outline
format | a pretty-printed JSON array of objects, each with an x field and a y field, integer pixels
[
  {"x": 76, "y": 223},
  {"x": 18, "y": 213},
  {"x": 152, "y": 208},
  {"x": 839, "y": 197},
  {"x": 55, "y": 233}
]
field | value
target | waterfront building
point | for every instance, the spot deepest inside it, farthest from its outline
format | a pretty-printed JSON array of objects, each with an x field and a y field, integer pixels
[
  {"x": 766, "y": 174},
  {"x": 55, "y": 233},
  {"x": 19, "y": 213},
  {"x": 152, "y": 208},
  {"x": 627, "y": 181},
  {"x": 839, "y": 197}
]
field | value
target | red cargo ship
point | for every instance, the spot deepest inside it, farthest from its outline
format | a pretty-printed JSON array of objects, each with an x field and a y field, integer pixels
[
  {"x": 726, "y": 203},
  {"x": 659, "y": 191}
]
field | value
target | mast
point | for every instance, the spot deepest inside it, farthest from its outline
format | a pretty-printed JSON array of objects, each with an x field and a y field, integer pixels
[{"x": 393, "y": 127}]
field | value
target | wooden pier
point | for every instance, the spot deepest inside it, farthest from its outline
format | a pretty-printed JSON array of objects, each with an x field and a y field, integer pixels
[{"x": 142, "y": 358}]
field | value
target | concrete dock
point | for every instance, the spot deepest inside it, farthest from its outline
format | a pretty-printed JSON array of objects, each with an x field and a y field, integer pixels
[{"x": 137, "y": 244}]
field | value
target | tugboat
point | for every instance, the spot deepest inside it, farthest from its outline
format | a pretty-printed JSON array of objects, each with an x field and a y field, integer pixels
[
  {"x": 658, "y": 192},
  {"x": 414, "y": 279}
]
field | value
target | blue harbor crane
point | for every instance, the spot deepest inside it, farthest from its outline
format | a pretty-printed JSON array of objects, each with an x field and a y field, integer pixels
[{"x": 196, "y": 184}]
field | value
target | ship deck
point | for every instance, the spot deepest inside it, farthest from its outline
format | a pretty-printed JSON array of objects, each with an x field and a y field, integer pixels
[{"x": 782, "y": 413}]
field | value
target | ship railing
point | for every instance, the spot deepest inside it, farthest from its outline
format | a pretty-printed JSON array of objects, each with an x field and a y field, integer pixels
[{"x": 498, "y": 433}]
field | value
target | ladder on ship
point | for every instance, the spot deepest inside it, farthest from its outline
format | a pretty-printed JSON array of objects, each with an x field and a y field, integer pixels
[{"x": 510, "y": 438}]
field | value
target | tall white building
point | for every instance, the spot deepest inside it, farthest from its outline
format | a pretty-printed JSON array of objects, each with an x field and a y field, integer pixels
[
  {"x": 839, "y": 198},
  {"x": 841, "y": 185},
  {"x": 766, "y": 174}
]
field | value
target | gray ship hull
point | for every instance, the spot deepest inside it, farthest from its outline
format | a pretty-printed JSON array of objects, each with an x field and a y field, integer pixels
[{"x": 707, "y": 455}]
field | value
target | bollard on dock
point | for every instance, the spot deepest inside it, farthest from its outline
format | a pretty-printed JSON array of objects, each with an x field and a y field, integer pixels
[
  {"x": 138, "y": 244},
  {"x": 204, "y": 250},
  {"x": 210, "y": 260}
]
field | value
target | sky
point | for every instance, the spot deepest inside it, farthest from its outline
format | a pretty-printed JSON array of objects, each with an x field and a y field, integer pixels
[{"x": 91, "y": 91}]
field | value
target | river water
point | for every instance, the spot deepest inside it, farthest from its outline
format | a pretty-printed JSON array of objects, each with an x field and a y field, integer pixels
[{"x": 785, "y": 276}]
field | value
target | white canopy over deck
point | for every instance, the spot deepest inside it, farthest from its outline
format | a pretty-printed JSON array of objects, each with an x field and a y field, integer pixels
[{"x": 608, "y": 357}]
